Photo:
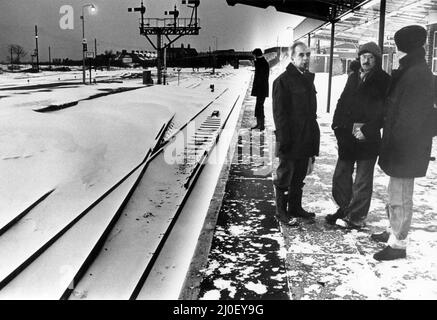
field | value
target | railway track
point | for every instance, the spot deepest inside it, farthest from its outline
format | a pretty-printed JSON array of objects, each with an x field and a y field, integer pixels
[{"x": 108, "y": 250}]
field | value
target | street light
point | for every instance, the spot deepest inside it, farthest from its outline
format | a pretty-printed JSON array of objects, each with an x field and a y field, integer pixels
[
  {"x": 93, "y": 9},
  {"x": 216, "y": 41}
]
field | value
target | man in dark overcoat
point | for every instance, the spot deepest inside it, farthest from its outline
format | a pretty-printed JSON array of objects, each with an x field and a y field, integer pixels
[
  {"x": 297, "y": 133},
  {"x": 357, "y": 123},
  {"x": 407, "y": 137},
  {"x": 260, "y": 88}
]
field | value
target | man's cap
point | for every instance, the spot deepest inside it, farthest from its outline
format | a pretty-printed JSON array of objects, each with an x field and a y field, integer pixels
[
  {"x": 370, "y": 47},
  {"x": 410, "y": 38}
]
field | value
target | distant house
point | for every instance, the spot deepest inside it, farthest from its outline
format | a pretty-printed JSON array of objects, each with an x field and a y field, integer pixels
[
  {"x": 134, "y": 58},
  {"x": 180, "y": 53}
]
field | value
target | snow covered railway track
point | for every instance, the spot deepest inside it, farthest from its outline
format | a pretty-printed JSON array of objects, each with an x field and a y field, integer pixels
[
  {"x": 134, "y": 244},
  {"x": 8, "y": 219},
  {"x": 43, "y": 261},
  {"x": 108, "y": 250}
]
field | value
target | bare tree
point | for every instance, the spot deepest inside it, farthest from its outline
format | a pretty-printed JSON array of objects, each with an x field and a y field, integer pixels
[{"x": 18, "y": 51}]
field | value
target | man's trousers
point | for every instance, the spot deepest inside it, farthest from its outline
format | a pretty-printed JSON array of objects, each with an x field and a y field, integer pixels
[
  {"x": 400, "y": 210},
  {"x": 353, "y": 197},
  {"x": 259, "y": 107},
  {"x": 290, "y": 174}
]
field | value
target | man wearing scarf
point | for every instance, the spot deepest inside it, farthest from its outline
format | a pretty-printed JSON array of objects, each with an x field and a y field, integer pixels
[{"x": 407, "y": 137}]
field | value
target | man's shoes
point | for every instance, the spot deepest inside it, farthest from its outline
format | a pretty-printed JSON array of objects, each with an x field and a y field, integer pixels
[
  {"x": 380, "y": 237},
  {"x": 332, "y": 218},
  {"x": 281, "y": 214},
  {"x": 347, "y": 225},
  {"x": 291, "y": 222},
  {"x": 301, "y": 213},
  {"x": 388, "y": 253},
  {"x": 259, "y": 124},
  {"x": 295, "y": 204}
]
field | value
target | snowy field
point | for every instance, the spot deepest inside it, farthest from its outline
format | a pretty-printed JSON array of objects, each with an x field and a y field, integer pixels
[{"x": 83, "y": 150}]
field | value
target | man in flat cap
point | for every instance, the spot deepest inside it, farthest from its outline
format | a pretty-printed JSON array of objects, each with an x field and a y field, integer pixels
[
  {"x": 260, "y": 87},
  {"x": 357, "y": 122},
  {"x": 407, "y": 137}
]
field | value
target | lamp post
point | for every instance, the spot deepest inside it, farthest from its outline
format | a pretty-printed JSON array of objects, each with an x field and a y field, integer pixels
[
  {"x": 36, "y": 49},
  {"x": 84, "y": 43},
  {"x": 216, "y": 41}
]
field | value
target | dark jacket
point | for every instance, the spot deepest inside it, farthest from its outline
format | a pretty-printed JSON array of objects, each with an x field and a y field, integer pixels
[
  {"x": 408, "y": 126},
  {"x": 361, "y": 102},
  {"x": 435, "y": 107},
  {"x": 260, "y": 86},
  {"x": 295, "y": 114}
]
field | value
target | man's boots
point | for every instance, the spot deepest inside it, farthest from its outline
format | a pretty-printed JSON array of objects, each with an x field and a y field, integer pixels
[
  {"x": 281, "y": 197},
  {"x": 332, "y": 218},
  {"x": 389, "y": 253},
  {"x": 295, "y": 205},
  {"x": 257, "y": 124}
]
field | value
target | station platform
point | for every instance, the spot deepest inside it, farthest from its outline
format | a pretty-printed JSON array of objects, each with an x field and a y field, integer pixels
[{"x": 246, "y": 254}]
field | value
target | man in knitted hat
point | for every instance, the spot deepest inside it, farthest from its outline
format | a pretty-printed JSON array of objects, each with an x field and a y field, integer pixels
[
  {"x": 357, "y": 122},
  {"x": 260, "y": 88},
  {"x": 407, "y": 138}
]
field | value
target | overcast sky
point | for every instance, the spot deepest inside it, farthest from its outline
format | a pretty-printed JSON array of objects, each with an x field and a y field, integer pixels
[{"x": 239, "y": 27}]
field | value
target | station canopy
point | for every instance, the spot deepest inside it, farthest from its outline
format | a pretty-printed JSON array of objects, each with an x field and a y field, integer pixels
[
  {"x": 363, "y": 24},
  {"x": 354, "y": 20},
  {"x": 325, "y": 10}
]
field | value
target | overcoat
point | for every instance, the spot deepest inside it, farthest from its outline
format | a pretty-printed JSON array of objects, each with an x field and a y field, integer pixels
[
  {"x": 362, "y": 101},
  {"x": 260, "y": 87},
  {"x": 408, "y": 125},
  {"x": 295, "y": 114}
]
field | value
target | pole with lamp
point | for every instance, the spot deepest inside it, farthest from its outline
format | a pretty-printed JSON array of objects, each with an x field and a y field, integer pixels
[
  {"x": 216, "y": 42},
  {"x": 214, "y": 56},
  {"x": 36, "y": 49},
  {"x": 93, "y": 9}
]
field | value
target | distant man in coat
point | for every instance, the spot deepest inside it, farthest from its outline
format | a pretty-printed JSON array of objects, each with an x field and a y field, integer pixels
[
  {"x": 260, "y": 88},
  {"x": 297, "y": 134},
  {"x": 407, "y": 137},
  {"x": 357, "y": 122}
]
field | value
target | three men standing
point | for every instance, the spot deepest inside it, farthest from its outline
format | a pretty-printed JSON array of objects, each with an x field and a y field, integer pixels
[
  {"x": 357, "y": 121},
  {"x": 403, "y": 107},
  {"x": 297, "y": 133},
  {"x": 260, "y": 88}
]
